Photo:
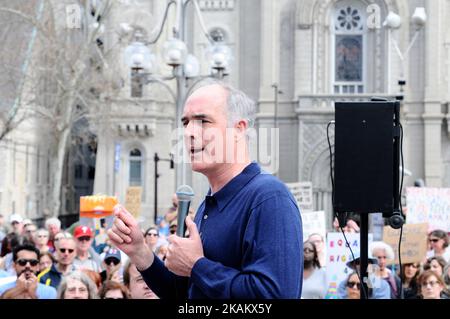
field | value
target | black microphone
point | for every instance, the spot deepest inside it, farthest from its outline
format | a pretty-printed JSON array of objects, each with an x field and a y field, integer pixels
[{"x": 184, "y": 195}]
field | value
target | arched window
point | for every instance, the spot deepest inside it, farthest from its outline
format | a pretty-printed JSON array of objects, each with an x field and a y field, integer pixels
[
  {"x": 135, "y": 167},
  {"x": 349, "y": 40}
]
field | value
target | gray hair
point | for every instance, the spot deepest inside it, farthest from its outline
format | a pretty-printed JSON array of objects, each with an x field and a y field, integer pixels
[
  {"x": 82, "y": 277},
  {"x": 53, "y": 221},
  {"x": 239, "y": 105},
  {"x": 381, "y": 245}
]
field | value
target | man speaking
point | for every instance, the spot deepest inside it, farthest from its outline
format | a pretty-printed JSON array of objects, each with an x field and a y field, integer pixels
[{"x": 246, "y": 239}]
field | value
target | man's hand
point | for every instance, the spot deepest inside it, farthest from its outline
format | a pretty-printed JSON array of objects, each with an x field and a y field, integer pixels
[
  {"x": 32, "y": 283},
  {"x": 22, "y": 283},
  {"x": 126, "y": 235},
  {"x": 183, "y": 253}
]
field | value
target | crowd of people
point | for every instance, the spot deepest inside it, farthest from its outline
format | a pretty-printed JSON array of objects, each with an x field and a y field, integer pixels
[
  {"x": 428, "y": 278},
  {"x": 81, "y": 263},
  {"x": 76, "y": 263}
]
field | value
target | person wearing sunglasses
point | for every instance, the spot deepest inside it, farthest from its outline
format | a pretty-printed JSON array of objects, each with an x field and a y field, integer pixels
[
  {"x": 27, "y": 286},
  {"x": 65, "y": 255},
  {"x": 438, "y": 242},
  {"x": 111, "y": 263},
  {"x": 86, "y": 257},
  {"x": 353, "y": 286},
  {"x": 409, "y": 275},
  {"x": 314, "y": 277},
  {"x": 379, "y": 288},
  {"x": 151, "y": 237}
]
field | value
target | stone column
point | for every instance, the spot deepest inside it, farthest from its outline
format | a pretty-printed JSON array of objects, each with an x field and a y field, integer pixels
[{"x": 432, "y": 115}]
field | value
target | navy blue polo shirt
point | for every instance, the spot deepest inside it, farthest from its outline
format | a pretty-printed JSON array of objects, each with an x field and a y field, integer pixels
[{"x": 252, "y": 239}]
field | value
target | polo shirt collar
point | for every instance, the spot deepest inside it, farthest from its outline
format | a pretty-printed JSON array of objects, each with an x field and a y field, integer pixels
[{"x": 227, "y": 193}]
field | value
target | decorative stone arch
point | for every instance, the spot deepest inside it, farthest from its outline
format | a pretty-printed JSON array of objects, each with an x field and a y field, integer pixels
[
  {"x": 320, "y": 149},
  {"x": 317, "y": 170}
]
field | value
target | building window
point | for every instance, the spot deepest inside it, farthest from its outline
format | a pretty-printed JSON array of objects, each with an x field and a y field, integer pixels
[
  {"x": 135, "y": 167},
  {"x": 348, "y": 46},
  {"x": 91, "y": 173},
  {"x": 78, "y": 171}
]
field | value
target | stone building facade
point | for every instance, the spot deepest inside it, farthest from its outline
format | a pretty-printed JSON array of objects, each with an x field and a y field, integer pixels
[{"x": 317, "y": 52}]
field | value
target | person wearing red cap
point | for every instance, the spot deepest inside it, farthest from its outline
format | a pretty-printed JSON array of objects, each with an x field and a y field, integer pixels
[{"x": 86, "y": 257}]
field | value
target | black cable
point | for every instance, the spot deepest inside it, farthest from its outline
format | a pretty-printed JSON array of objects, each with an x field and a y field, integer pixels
[{"x": 335, "y": 214}]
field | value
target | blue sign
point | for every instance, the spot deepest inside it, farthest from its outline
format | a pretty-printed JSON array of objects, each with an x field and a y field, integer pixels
[{"x": 116, "y": 157}]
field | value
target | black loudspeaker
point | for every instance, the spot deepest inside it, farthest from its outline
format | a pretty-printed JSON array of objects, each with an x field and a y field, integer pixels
[{"x": 366, "y": 166}]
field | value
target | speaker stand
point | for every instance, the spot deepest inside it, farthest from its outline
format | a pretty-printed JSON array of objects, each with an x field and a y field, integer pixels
[{"x": 364, "y": 248}]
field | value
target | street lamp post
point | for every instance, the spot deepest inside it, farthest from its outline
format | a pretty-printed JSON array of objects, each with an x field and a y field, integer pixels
[
  {"x": 393, "y": 21},
  {"x": 276, "y": 91},
  {"x": 184, "y": 66},
  {"x": 156, "y": 159}
]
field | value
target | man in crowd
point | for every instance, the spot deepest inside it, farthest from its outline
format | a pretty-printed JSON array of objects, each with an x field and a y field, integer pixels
[
  {"x": 111, "y": 263},
  {"x": 65, "y": 254},
  {"x": 237, "y": 247},
  {"x": 16, "y": 222},
  {"x": 27, "y": 286},
  {"x": 133, "y": 280},
  {"x": 86, "y": 257}
]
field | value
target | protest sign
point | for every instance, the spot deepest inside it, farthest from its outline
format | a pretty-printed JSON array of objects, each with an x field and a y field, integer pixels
[
  {"x": 133, "y": 200},
  {"x": 303, "y": 194},
  {"x": 428, "y": 205},
  {"x": 338, "y": 254},
  {"x": 414, "y": 242},
  {"x": 313, "y": 222}
]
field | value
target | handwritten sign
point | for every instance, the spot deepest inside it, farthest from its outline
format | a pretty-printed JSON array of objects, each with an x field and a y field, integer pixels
[
  {"x": 313, "y": 222},
  {"x": 414, "y": 242},
  {"x": 428, "y": 205},
  {"x": 303, "y": 194},
  {"x": 338, "y": 254},
  {"x": 133, "y": 200}
]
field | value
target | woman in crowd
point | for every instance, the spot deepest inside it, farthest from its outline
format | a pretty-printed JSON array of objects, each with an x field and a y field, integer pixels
[
  {"x": 151, "y": 236},
  {"x": 353, "y": 286},
  {"x": 431, "y": 286},
  {"x": 319, "y": 242},
  {"x": 436, "y": 264},
  {"x": 438, "y": 241},
  {"x": 41, "y": 239},
  {"x": 114, "y": 290},
  {"x": 77, "y": 285},
  {"x": 46, "y": 261},
  {"x": 447, "y": 276},
  {"x": 314, "y": 277},
  {"x": 411, "y": 272}
]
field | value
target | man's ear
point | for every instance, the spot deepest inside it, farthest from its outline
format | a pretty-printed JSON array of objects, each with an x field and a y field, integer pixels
[{"x": 241, "y": 126}]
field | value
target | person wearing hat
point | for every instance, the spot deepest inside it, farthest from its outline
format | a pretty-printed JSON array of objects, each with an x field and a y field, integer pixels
[
  {"x": 378, "y": 288},
  {"x": 86, "y": 257},
  {"x": 111, "y": 263},
  {"x": 16, "y": 222}
]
